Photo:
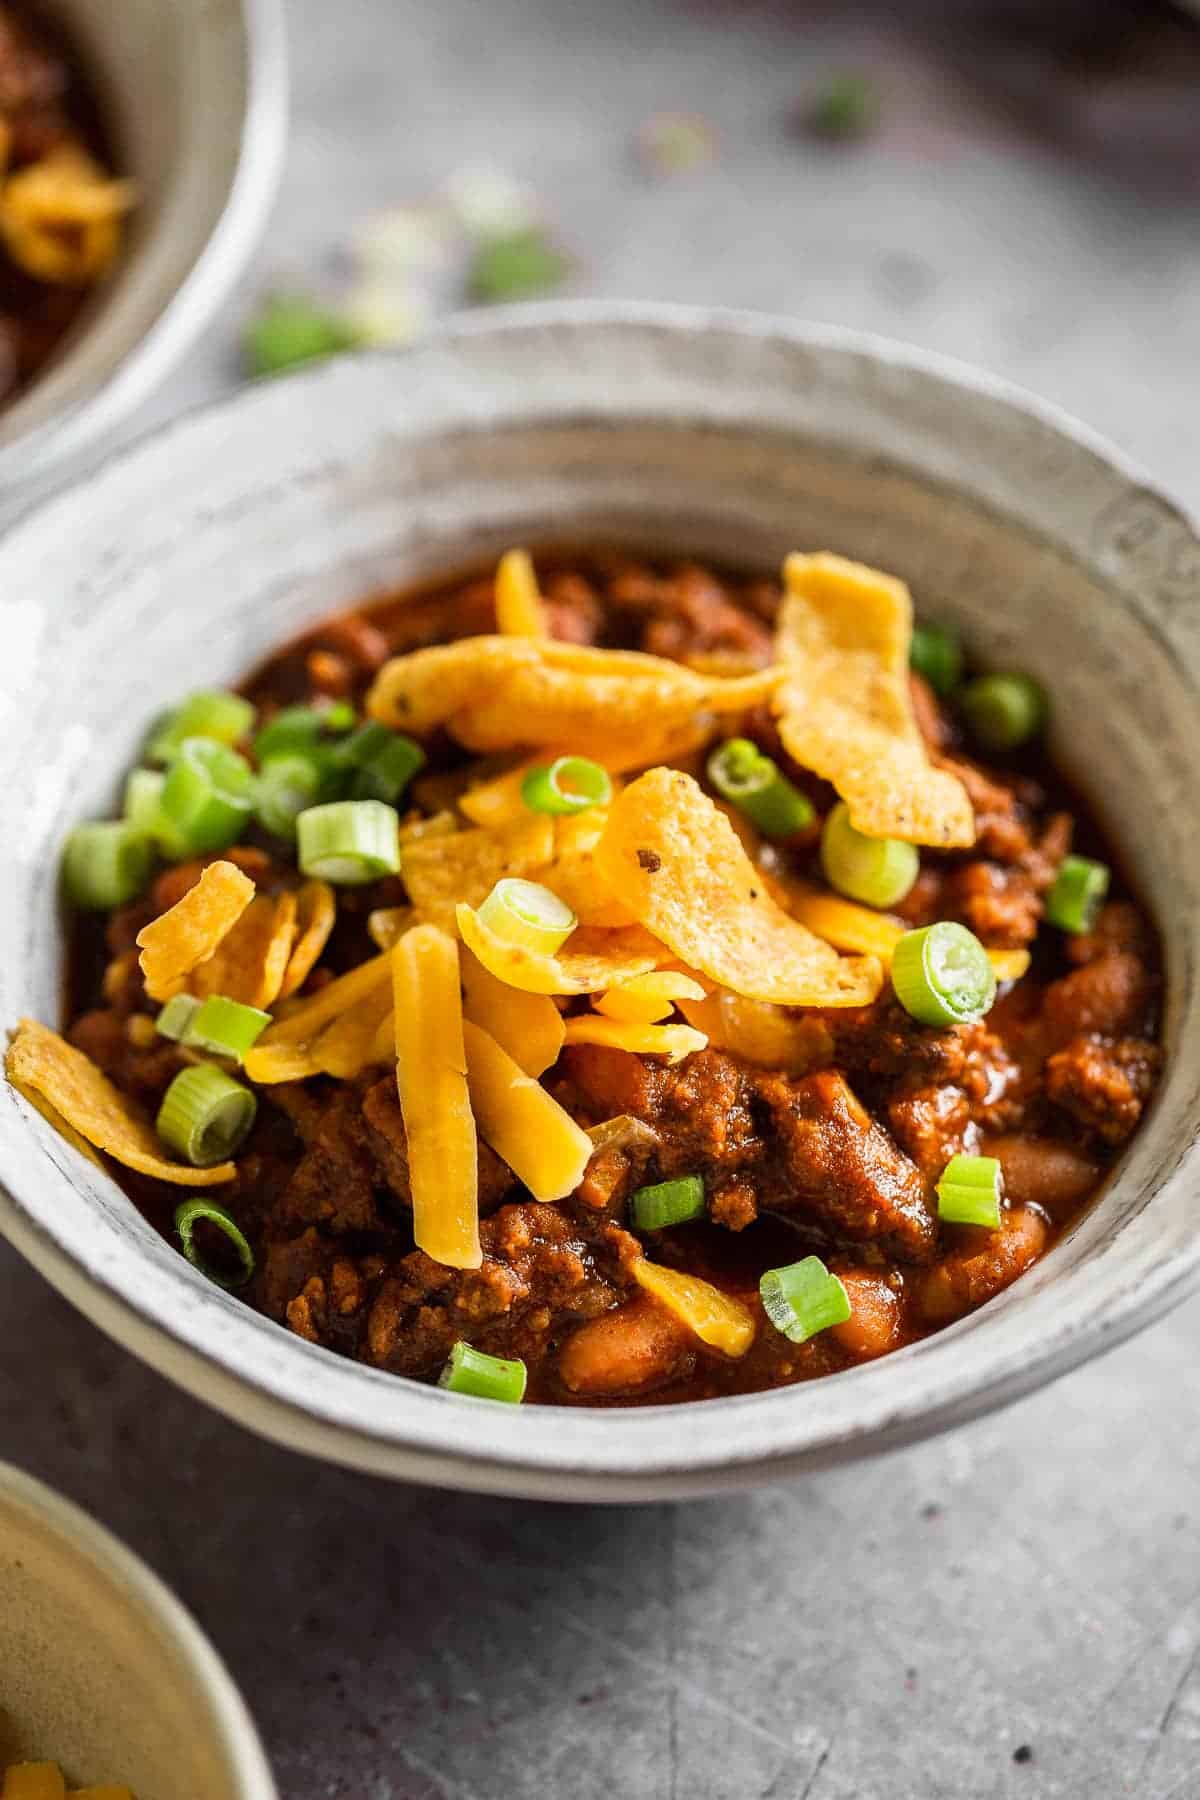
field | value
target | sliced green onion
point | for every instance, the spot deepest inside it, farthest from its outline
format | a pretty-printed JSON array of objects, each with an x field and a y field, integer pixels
[
  {"x": 143, "y": 798},
  {"x": 1078, "y": 893},
  {"x": 969, "y": 1192},
  {"x": 877, "y": 871},
  {"x": 936, "y": 654},
  {"x": 848, "y": 108},
  {"x": 211, "y": 713},
  {"x": 289, "y": 330},
  {"x": 527, "y": 914},
  {"x": 189, "y": 1215},
  {"x": 287, "y": 785},
  {"x": 803, "y": 1298},
  {"x": 386, "y": 771},
  {"x": 668, "y": 1203},
  {"x": 301, "y": 728},
  {"x": 756, "y": 785},
  {"x": 205, "y": 1114},
  {"x": 570, "y": 784},
  {"x": 470, "y": 1371},
  {"x": 224, "y": 1027},
  {"x": 176, "y": 1016},
  {"x": 338, "y": 716},
  {"x": 208, "y": 795},
  {"x": 349, "y": 842},
  {"x": 942, "y": 975},
  {"x": 106, "y": 863},
  {"x": 517, "y": 265},
  {"x": 1003, "y": 711}
]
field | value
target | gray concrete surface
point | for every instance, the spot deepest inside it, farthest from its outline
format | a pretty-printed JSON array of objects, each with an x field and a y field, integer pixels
[{"x": 894, "y": 1631}]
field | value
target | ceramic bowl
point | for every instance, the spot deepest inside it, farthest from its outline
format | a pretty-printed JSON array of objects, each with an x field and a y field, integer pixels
[
  {"x": 195, "y": 97},
  {"x": 104, "y": 1672},
  {"x": 724, "y": 435}
]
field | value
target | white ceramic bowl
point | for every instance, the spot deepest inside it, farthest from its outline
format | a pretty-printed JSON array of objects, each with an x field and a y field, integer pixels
[
  {"x": 189, "y": 557},
  {"x": 104, "y": 1672},
  {"x": 196, "y": 97}
]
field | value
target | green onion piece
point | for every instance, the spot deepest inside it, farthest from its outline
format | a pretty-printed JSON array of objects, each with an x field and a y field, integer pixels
[
  {"x": 969, "y": 1192},
  {"x": 205, "y": 1114},
  {"x": 849, "y": 108},
  {"x": 384, "y": 771},
  {"x": 942, "y": 975},
  {"x": 225, "y": 1027},
  {"x": 211, "y": 713},
  {"x": 176, "y": 1016},
  {"x": 105, "y": 864},
  {"x": 338, "y": 716},
  {"x": 189, "y": 1215},
  {"x": 877, "y": 871},
  {"x": 287, "y": 785},
  {"x": 752, "y": 782},
  {"x": 1003, "y": 711},
  {"x": 208, "y": 795},
  {"x": 301, "y": 728},
  {"x": 803, "y": 1298},
  {"x": 936, "y": 654},
  {"x": 570, "y": 784},
  {"x": 516, "y": 266},
  {"x": 290, "y": 330},
  {"x": 143, "y": 799},
  {"x": 349, "y": 842},
  {"x": 668, "y": 1203},
  {"x": 470, "y": 1371},
  {"x": 1078, "y": 893},
  {"x": 527, "y": 914}
]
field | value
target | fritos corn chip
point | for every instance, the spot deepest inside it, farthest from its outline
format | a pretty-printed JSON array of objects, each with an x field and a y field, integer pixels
[
  {"x": 849, "y": 926},
  {"x": 316, "y": 911},
  {"x": 497, "y": 693},
  {"x": 648, "y": 998},
  {"x": 305, "y": 1018},
  {"x": 187, "y": 933},
  {"x": 674, "y": 860},
  {"x": 843, "y": 706},
  {"x": 672, "y": 1041},
  {"x": 440, "y": 872},
  {"x": 519, "y": 610},
  {"x": 588, "y": 962},
  {"x": 83, "y": 1095},
  {"x": 250, "y": 962}
]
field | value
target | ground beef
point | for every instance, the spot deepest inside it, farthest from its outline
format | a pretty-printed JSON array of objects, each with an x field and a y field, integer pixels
[{"x": 1104, "y": 1083}]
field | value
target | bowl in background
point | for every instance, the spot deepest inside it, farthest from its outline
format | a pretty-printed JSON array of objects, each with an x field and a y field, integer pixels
[
  {"x": 719, "y": 435},
  {"x": 104, "y": 1671},
  {"x": 194, "y": 99}
]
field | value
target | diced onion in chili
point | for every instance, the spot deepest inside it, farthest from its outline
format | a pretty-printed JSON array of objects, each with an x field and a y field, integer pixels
[
  {"x": 1078, "y": 893},
  {"x": 106, "y": 863},
  {"x": 527, "y": 914},
  {"x": 942, "y": 975},
  {"x": 1003, "y": 711},
  {"x": 752, "y": 782},
  {"x": 288, "y": 784},
  {"x": 969, "y": 1192},
  {"x": 570, "y": 784},
  {"x": 176, "y": 1016},
  {"x": 876, "y": 871},
  {"x": 224, "y": 1027},
  {"x": 205, "y": 1114},
  {"x": 348, "y": 842},
  {"x": 208, "y": 795},
  {"x": 936, "y": 653},
  {"x": 668, "y": 1203},
  {"x": 803, "y": 1299},
  {"x": 471, "y": 1371},
  {"x": 381, "y": 763},
  {"x": 212, "y": 713},
  {"x": 189, "y": 1215}
]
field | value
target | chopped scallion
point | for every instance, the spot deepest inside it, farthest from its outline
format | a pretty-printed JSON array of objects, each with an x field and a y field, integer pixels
[
  {"x": 208, "y": 795},
  {"x": 803, "y": 1299},
  {"x": 300, "y": 728},
  {"x": 969, "y": 1192},
  {"x": 570, "y": 784},
  {"x": 210, "y": 713},
  {"x": 209, "y": 1212},
  {"x": 1078, "y": 893},
  {"x": 754, "y": 783},
  {"x": 106, "y": 863},
  {"x": 224, "y": 1027},
  {"x": 205, "y": 1114},
  {"x": 349, "y": 842},
  {"x": 288, "y": 784},
  {"x": 876, "y": 871},
  {"x": 942, "y": 975},
  {"x": 527, "y": 914},
  {"x": 1003, "y": 711},
  {"x": 176, "y": 1016},
  {"x": 668, "y": 1203},
  {"x": 471, "y": 1371},
  {"x": 936, "y": 654},
  {"x": 382, "y": 770},
  {"x": 290, "y": 330}
]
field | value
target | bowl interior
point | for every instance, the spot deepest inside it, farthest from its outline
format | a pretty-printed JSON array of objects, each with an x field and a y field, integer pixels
[
  {"x": 194, "y": 556},
  {"x": 103, "y": 1673}
]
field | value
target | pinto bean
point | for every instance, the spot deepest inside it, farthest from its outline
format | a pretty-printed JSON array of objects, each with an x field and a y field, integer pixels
[
  {"x": 874, "y": 1313},
  {"x": 634, "y": 1347},
  {"x": 1043, "y": 1172},
  {"x": 978, "y": 1270}
]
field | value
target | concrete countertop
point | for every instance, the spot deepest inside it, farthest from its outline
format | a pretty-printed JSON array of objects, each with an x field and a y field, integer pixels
[{"x": 1011, "y": 1611}]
